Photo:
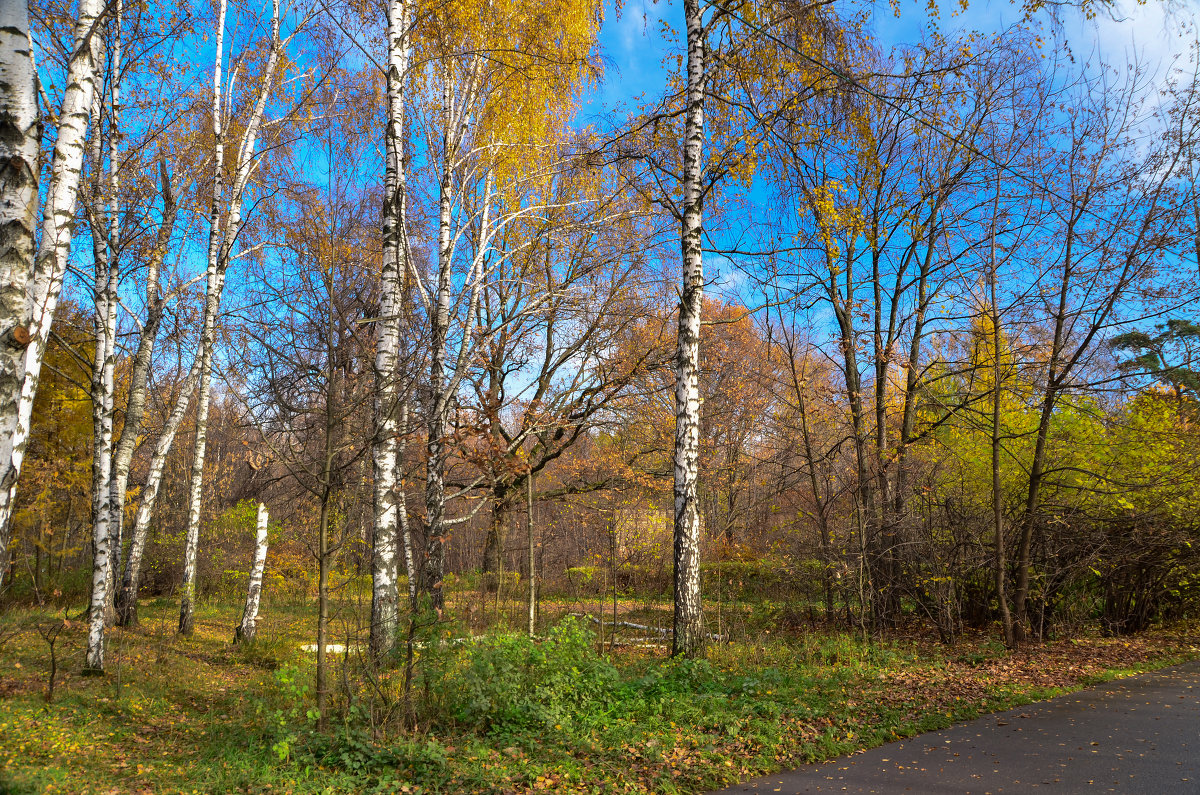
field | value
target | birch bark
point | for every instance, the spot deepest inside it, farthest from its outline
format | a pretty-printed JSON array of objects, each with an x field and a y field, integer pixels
[
  {"x": 437, "y": 411},
  {"x": 104, "y": 322},
  {"x": 135, "y": 406},
  {"x": 410, "y": 563},
  {"x": 689, "y": 618},
  {"x": 20, "y": 137},
  {"x": 246, "y": 630},
  {"x": 214, "y": 283},
  {"x": 113, "y": 235},
  {"x": 532, "y": 617},
  {"x": 220, "y": 247},
  {"x": 384, "y": 448},
  {"x": 127, "y": 596},
  {"x": 444, "y": 385},
  {"x": 44, "y": 280}
]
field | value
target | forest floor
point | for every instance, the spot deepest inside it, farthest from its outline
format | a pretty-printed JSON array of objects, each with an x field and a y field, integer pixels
[{"x": 200, "y": 715}]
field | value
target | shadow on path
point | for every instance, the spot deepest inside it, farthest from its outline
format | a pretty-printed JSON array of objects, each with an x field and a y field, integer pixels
[{"x": 1136, "y": 735}]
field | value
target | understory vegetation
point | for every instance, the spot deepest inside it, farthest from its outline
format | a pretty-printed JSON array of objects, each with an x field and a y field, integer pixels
[{"x": 499, "y": 712}]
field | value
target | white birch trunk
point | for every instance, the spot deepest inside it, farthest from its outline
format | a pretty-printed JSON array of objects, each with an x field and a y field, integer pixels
[
  {"x": 689, "y": 617},
  {"x": 437, "y": 410},
  {"x": 384, "y": 448},
  {"x": 529, "y": 537},
  {"x": 135, "y": 406},
  {"x": 220, "y": 249},
  {"x": 212, "y": 300},
  {"x": 214, "y": 282},
  {"x": 246, "y": 630},
  {"x": 410, "y": 563},
  {"x": 104, "y": 322},
  {"x": 127, "y": 598},
  {"x": 44, "y": 281},
  {"x": 115, "y": 506},
  {"x": 20, "y": 138}
]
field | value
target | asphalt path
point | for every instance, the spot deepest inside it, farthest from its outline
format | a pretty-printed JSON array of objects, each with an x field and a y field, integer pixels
[{"x": 1136, "y": 735}]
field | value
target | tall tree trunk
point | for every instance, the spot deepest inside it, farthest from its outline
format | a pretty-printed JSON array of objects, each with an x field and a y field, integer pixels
[
  {"x": 437, "y": 411},
  {"x": 493, "y": 545},
  {"x": 997, "y": 439},
  {"x": 220, "y": 248},
  {"x": 384, "y": 448},
  {"x": 215, "y": 280},
  {"x": 127, "y": 596},
  {"x": 1037, "y": 466},
  {"x": 104, "y": 322},
  {"x": 26, "y": 333},
  {"x": 113, "y": 231},
  {"x": 20, "y": 140},
  {"x": 247, "y": 627},
  {"x": 135, "y": 406},
  {"x": 689, "y": 616}
]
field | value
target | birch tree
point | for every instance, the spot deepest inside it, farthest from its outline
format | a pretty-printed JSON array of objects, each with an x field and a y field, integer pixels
[
  {"x": 26, "y": 332},
  {"x": 127, "y": 596},
  {"x": 20, "y": 140},
  {"x": 105, "y": 227},
  {"x": 689, "y": 616},
  {"x": 385, "y": 449},
  {"x": 484, "y": 133},
  {"x": 225, "y": 224},
  {"x": 685, "y": 162},
  {"x": 247, "y": 628}
]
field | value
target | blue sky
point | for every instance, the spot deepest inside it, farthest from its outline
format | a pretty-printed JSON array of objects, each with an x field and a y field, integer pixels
[
  {"x": 1157, "y": 35},
  {"x": 1153, "y": 34}
]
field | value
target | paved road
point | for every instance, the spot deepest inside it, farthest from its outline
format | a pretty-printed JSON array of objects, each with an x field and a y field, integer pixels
[{"x": 1137, "y": 735}]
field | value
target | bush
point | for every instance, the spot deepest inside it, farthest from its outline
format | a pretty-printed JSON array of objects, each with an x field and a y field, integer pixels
[
  {"x": 266, "y": 651},
  {"x": 511, "y": 683}
]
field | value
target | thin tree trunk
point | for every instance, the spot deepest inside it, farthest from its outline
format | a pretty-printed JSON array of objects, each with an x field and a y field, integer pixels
[
  {"x": 135, "y": 406},
  {"x": 438, "y": 410},
  {"x": 1037, "y": 466},
  {"x": 212, "y": 298},
  {"x": 246, "y": 629},
  {"x": 323, "y": 599},
  {"x": 26, "y": 336},
  {"x": 220, "y": 249},
  {"x": 410, "y": 564},
  {"x": 216, "y": 279},
  {"x": 997, "y": 494},
  {"x": 529, "y": 539},
  {"x": 689, "y": 616},
  {"x": 127, "y": 596},
  {"x": 114, "y": 250}
]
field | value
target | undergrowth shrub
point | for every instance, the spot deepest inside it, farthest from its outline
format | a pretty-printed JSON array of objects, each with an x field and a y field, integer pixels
[
  {"x": 509, "y": 683},
  {"x": 266, "y": 650}
]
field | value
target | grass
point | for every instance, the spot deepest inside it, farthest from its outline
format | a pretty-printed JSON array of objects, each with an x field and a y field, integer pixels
[{"x": 500, "y": 714}]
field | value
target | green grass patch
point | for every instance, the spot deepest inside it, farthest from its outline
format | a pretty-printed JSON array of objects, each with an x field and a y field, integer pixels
[{"x": 497, "y": 713}]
